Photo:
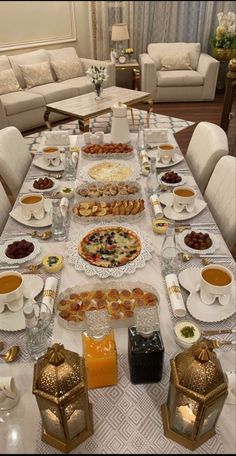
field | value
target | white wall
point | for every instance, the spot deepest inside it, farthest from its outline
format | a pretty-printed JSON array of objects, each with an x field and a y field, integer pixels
[{"x": 29, "y": 25}]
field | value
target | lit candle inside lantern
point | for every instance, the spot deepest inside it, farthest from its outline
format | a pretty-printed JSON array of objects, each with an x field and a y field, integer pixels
[{"x": 187, "y": 418}]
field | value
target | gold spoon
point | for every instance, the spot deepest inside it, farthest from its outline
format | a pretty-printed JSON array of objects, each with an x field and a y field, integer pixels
[
  {"x": 44, "y": 235},
  {"x": 185, "y": 257},
  {"x": 11, "y": 354}
]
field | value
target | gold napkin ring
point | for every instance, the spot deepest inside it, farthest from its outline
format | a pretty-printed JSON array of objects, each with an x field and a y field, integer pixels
[
  {"x": 50, "y": 293},
  {"x": 173, "y": 289}
]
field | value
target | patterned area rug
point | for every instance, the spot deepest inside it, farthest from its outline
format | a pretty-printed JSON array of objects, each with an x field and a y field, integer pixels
[
  {"x": 127, "y": 420},
  {"x": 103, "y": 123}
]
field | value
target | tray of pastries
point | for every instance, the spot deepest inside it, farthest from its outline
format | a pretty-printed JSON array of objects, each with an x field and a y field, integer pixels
[
  {"x": 122, "y": 210},
  {"x": 120, "y": 300},
  {"x": 111, "y": 191},
  {"x": 107, "y": 150}
]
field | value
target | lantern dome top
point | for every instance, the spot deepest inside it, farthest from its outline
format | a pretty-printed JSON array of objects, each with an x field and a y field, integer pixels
[
  {"x": 198, "y": 369},
  {"x": 58, "y": 373}
]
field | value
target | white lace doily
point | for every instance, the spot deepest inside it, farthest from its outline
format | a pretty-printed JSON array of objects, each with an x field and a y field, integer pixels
[
  {"x": 82, "y": 265},
  {"x": 133, "y": 164}
]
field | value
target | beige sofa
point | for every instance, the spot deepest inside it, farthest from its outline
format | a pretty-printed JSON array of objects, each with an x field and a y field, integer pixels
[
  {"x": 178, "y": 72},
  {"x": 25, "y": 107}
]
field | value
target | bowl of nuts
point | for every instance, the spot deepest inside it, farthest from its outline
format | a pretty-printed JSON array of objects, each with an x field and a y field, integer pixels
[
  {"x": 198, "y": 242},
  {"x": 19, "y": 250}
]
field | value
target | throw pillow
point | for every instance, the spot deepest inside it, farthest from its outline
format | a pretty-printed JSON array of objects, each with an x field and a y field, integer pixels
[
  {"x": 8, "y": 82},
  {"x": 36, "y": 74},
  {"x": 67, "y": 69},
  {"x": 175, "y": 62}
]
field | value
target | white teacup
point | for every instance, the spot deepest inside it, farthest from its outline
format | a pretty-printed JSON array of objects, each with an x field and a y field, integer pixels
[
  {"x": 216, "y": 281},
  {"x": 184, "y": 198},
  {"x": 11, "y": 290},
  {"x": 166, "y": 152},
  {"x": 32, "y": 205},
  {"x": 51, "y": 155}
]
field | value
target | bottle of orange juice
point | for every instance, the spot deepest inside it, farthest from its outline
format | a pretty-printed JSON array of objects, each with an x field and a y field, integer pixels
[{"x": 99, "y": 350}]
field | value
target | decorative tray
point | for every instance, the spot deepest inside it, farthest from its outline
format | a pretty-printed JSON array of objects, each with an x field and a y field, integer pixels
[
  {"x": 119, "y": 298},
  {"x": 111, "y": 191},
  {"x": 107, "y": 150},
  {"x": 118, "y": 211},
  {"x": 111, "y": 171},
  {"x": 90, "y": 267}
]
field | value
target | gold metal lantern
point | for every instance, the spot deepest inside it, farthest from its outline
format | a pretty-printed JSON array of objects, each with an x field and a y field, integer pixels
[
  {"x": 60, "y": 387},
  {"x": 197, "y": 391}
]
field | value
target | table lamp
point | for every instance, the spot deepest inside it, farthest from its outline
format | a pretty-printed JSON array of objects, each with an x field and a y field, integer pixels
[{"x": 120, "y": 33}]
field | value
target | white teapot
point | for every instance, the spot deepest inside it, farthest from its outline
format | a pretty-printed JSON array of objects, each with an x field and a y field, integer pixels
[{"x": 120, "y": 125}]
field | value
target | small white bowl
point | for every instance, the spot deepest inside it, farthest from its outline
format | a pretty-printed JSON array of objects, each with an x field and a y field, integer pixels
[
  {"x": 68, "y": 192},
  {"x": 186, "y": 342}
]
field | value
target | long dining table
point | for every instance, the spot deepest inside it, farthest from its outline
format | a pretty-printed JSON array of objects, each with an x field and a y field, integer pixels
[{"x": 127, "y": 417}]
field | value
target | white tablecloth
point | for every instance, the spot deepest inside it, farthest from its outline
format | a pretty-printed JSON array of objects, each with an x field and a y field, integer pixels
[{"x": 20, "y": 427}]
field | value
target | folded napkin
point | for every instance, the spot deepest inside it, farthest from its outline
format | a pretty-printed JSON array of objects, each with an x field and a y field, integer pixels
[
  {"x": 49, "y": 293},
  {"x": 231, "y": 398},
  {"x": 174, "y": 292},
  {"x": 145, "y": 163},
  {"x": 57, "y": 138},
  {"x": 157, "y": 209},
  {"x": 64, "y": 204}
]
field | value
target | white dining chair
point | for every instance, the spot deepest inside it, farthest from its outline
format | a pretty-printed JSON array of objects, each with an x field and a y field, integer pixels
[
  {"x": 5, "y": 207},
  {"x": 207, "y": 145},
  {"x": 220, "y": 196},
  {"x": 15, "y": 158}
]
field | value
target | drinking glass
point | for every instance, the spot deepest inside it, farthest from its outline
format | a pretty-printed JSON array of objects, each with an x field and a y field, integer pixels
[
  {"x": 58, "y": 222},
  {"x": 37, "y": 320},
  {"x": 170, "y": 261}
]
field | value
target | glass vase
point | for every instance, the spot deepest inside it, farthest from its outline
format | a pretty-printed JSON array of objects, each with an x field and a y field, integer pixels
[{"x": 98, "y": 90}]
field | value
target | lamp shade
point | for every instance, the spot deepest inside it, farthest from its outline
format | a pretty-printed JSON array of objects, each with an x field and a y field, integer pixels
[{"x": 119, "y": 32}]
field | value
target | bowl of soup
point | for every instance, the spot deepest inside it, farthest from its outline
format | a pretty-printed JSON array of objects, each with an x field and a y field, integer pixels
[
  {"x": 11, "y": 290},
  {"x": 216, "y": 281},
  {"x": 50, "y": 153},
  {"x": 32, "y": 204},
  {"x": 166, "y": 152},
  {"x": 183, "y": 197}
]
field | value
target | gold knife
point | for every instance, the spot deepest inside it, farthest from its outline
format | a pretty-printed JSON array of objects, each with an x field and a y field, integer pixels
[{"x": 212, "y": 332}]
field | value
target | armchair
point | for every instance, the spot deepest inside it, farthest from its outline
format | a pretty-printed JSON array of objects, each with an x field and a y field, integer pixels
[{"x": 178, "y": 72}]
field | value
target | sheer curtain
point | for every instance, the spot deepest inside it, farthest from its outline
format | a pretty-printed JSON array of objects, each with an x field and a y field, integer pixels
[{"x": 155, "y": 21}]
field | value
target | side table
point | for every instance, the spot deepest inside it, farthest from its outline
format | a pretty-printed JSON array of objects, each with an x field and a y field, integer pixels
[{"x": 128, "y": 75}]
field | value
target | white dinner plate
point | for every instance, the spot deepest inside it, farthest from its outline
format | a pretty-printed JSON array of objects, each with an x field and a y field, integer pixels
[
  {"x": 15, "y": 321},
  {"x": 5, "y": 259},
  {"x": 169, "y": 212},
  {"x": 189, "y": 279},
  {"x": 40, "y": 163},
  {"x": 183, "y": 180},
  {"x": 177, "y": 158},
  {"x": 180, "y": 239},
  {"x": 36, "y": 190},
  {"x": 16, "y": 214}
]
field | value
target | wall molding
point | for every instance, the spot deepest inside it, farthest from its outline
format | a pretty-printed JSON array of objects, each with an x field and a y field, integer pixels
[{"x": 57, "y": 39}]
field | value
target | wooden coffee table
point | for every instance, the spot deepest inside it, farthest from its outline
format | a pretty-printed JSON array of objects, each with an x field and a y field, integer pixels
[{"x": 84, "y": 107}]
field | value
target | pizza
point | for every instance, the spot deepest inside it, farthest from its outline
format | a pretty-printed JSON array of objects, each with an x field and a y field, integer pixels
[
  {"x": 107, "y": 171},
  {"x": 110, "y": 247}
]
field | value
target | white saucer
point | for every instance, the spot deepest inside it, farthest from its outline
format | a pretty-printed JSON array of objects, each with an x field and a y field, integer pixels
[
  {"x": 177, "y": 158},
  {"x": 167, "y": 198},
  {"x": 15, "y": 321},
  {"x": 5, "y": 259},
  {"x": 189, "y": 279},
  {"x": 183, "y": 180},
  {"x": 36, "y": 190},
  {"x": 40, "y": 163},
  {"x": 180, "y": 239},
  {"x": 16, "y": 214}
]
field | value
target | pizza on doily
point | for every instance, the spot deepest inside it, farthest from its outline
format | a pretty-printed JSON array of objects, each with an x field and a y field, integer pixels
[{"x": 110, "y": 247}]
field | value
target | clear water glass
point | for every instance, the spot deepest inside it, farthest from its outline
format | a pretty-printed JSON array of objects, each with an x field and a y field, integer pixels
[
  {"x": 152, "y": 180},
  {"x": 69, "y": 166},
  {"x": 58, "y": 222},
  {"x": 170, "y": 261},
  {"x": 37, "y": 320}
]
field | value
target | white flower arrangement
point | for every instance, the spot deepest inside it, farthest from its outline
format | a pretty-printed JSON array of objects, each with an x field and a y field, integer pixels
[
  {"x": 97, "y": 74},
  {"x": 226, "y": 31}
]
